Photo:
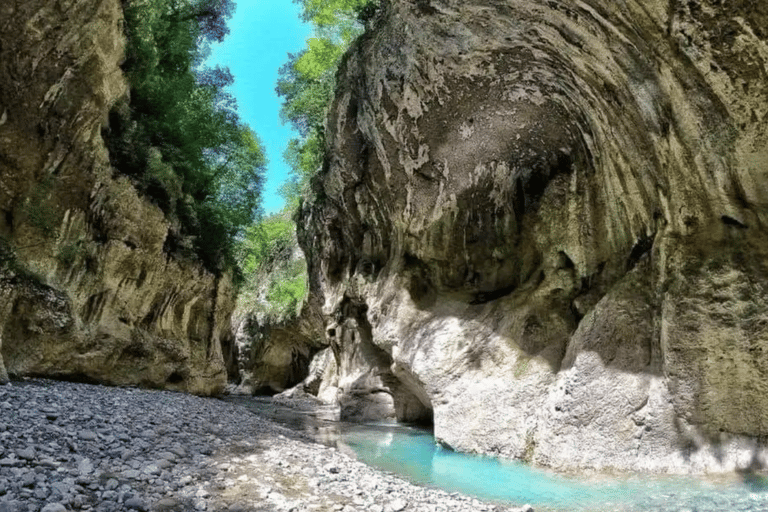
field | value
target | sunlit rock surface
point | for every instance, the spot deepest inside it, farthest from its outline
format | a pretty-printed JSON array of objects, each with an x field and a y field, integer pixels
[
  {"x": 100, "y": 299},
  {"x": 543, "y": 225}
]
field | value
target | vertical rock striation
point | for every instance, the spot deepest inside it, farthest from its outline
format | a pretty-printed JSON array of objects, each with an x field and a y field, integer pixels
[
  {"x": 87, "y": 289},
  {"x": 543, "y": 224}
]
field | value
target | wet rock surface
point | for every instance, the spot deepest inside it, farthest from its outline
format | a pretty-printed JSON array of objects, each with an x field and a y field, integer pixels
[{"x": 66, "y": 446}]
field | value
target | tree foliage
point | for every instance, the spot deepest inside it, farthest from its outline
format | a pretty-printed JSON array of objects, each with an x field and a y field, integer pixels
[
  {"x": 307, "y": 81},
  {"x": 179, "y": 137},
  {"x": 274, "y": 268}
]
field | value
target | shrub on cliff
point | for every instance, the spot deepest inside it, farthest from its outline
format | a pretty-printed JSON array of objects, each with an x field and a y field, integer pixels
[
  {"x": 307, "y": 82},
  {"x": 179, "y": 137},
  {"x": 274, "y": 269}
]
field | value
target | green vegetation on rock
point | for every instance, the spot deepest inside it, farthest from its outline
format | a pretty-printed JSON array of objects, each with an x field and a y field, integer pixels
[
  {"x": 273, "y": 266},
  {"x": 179, "y": 138},
  {"x": 307, "y": 82},
  {"x": 274, "y": 269}
]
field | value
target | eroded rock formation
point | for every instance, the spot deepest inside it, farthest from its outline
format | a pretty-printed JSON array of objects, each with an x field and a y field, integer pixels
[
  {"x": 543, "y": 223},
  {"x": 89, "y": 292},
  {"x": 273, "y": 355}
]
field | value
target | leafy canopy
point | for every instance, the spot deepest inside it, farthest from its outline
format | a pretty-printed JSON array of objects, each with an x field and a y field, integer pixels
[
  {"x": 275, "y": 271},
  {"x": 180, "y": 137}
]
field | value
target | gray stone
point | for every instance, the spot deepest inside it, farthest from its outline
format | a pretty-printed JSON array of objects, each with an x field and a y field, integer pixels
[
  {"x": 167, "y": 504},
  {"x": 169, "y": 456},
  {"x": 54, "y": 507},
  {"x": 26, "y": 453},
  {"x": 163, "y": 464},
  {"x": 136, "y": 504},
  {"x": 28, "y": 479},
  {"x": 85, "y": 467},
  {"x": 87, "y": 435},
  {"x": 62, "y": 488},
  {"x": 152, "y": 469}
]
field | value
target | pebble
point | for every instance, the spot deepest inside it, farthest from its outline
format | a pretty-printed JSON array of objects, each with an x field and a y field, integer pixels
[
  {"x": 136, "y": 503},
  {"x": 398, "y": 505},
  {"x": 54, "y": 507},
  {"x": 26, "y": 454},
  {"x": 84, "y": 467},
  {"x": 87, "y": 435},
  {"x": 90, "y": 448}
]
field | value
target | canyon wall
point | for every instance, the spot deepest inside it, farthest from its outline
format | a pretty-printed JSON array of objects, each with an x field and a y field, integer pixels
[
  {"x": 542, "y": 226},
  {"x": 271, "y": 354},
  {"x": 88, "y": 289}
]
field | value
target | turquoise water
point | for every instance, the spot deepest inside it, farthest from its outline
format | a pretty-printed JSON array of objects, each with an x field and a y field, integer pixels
[{"x": 413, "y": 454}]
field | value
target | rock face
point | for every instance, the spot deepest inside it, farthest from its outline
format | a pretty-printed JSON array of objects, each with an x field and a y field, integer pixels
[
  {"x": 271, "y": 357},
  {"x": 543, "y": 224},
  {"x": 88, "y": 291}
]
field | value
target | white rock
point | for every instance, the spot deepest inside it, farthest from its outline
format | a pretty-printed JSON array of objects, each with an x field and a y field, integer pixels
[
  {"x": 397, "y": 505},
  {"x": 54, "y": 507},
  {"x": 85, "y": 467}
]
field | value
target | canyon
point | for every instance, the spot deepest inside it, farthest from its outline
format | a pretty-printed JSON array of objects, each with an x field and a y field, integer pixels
[{"x": 540, "y": 228}]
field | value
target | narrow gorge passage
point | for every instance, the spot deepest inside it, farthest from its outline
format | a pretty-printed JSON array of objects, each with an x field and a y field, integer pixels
[{"x": 535, "y": 227}]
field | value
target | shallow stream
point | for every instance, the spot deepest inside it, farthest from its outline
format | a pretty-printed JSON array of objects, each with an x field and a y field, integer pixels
[{"x": 413, "y": 454}]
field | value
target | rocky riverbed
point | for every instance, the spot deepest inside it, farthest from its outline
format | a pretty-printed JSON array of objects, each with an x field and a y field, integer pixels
[{"x": 69, "y": 446}]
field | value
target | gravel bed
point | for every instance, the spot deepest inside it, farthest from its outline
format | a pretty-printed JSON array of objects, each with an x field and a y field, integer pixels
[{"x": 70, "y": 446}]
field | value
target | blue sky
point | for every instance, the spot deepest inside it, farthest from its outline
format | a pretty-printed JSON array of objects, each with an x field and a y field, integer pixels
[{"x": 261, "y": 33}]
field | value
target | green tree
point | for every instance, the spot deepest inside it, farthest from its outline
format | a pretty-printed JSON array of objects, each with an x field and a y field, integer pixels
[
  {"x": 180, "y": 138},
  {"x": 307, "y": 81},
  {"x": 274, "y": 268}
]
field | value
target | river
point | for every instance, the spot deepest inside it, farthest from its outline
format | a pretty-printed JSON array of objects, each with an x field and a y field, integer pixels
[{"x": 412, "y": 453}]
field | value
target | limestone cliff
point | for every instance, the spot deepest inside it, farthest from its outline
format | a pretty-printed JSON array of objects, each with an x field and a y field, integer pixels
[
  {"x": 87, "y": 289},
  {"x": 272, "y": 355},
  {"x": 543, "y": 223}
]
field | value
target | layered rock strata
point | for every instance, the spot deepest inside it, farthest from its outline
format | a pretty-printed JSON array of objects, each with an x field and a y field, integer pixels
[
  {"x": 87, "y": 289},
  {"x": 543, "y": 224}
]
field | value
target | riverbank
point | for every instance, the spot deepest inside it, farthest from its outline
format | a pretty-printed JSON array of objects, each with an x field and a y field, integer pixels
[{"x": 68, "y": 446}]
